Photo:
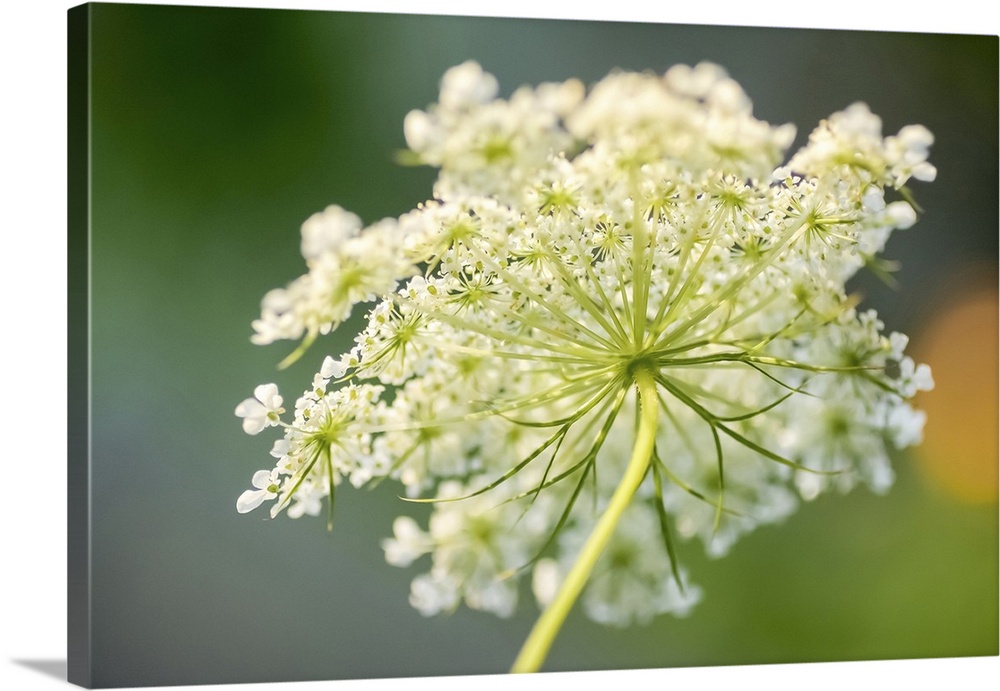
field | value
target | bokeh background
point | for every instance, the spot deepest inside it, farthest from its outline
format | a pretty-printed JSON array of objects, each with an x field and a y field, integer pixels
[{"x": 217, "y": 131}]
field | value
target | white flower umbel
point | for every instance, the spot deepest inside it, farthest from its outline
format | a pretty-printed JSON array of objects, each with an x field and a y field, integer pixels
[{"x": 620, "y": 321}]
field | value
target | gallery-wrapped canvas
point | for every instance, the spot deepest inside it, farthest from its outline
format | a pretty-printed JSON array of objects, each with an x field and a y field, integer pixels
[{"x": 410, "y": 346}]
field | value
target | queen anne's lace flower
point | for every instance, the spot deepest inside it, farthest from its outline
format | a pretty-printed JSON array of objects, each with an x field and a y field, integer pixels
[
  {"x": 263, "y": 410},
  {"x": 619, "y": 321}
]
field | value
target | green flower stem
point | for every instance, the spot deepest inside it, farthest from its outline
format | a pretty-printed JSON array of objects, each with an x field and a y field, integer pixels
[{"x": 537, "y": 645}]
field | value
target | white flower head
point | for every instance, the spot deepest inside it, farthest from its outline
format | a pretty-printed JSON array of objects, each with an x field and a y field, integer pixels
[{"x": 620, "y": 321}]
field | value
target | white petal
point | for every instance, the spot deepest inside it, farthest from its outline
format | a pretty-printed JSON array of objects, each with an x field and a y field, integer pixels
[
  {"x": 408, "y": 543},
  {"x": 327, "y": 231},
  {"x": 332, "y": 368},
  {"x": 901, "y": 214},
  {"x": 407, "y": 529},
  {"x": 916, "y": 137},
  {"x": 872, "y": 199},
  {"x": 417, "y": 129},
  {"x": 922, "y": 378},
  {"x": 432, "y": 593},
  {"x": 262, "y": 478},
  {"x": 268, "y": 395},
  {"x": 250, "y": 407},
  {"x": 898, "y": 343},
  {"x": 925, "y": 172},
  {"x": 466, "y": 85},
  {"x": 250, "y": 500},
  {"x": 253, "y": 425}
]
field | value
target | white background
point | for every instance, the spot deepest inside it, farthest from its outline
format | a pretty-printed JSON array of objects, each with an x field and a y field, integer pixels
[{"x": 33, "y": 318}]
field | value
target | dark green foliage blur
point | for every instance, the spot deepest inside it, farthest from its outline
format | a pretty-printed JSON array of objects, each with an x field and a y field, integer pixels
[{"x": 218, "y": 131}]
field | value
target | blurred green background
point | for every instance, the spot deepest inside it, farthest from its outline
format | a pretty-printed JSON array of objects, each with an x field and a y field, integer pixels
[{"x": 217, "y": 131}]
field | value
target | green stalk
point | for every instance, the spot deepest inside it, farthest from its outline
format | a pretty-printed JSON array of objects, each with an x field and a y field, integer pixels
[{"x": 537, "y": 645}]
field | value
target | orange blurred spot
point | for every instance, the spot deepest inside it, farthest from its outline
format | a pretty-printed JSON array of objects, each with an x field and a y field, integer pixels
[{"x": 960, "y": 449}]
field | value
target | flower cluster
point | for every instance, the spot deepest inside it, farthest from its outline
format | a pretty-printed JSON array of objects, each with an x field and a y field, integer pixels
[{"x": 618, "y": 316}]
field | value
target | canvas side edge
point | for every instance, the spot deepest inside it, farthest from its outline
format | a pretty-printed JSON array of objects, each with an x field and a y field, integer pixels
[{"x": 79, "y": 619}]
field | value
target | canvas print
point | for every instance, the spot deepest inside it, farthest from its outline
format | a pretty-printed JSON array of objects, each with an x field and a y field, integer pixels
[{"x": 416, "y": 346}]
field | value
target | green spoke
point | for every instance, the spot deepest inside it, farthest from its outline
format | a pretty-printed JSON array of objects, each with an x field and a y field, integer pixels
[
  {"x": 623, "y": 334},
  {"x": 500, "y": 480},
  {"x": 332, "y": 484},
  {"x": 585, "y": 301},
  {"x": 661, "y": 513},
  {"x": 555, "y": 311}
]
